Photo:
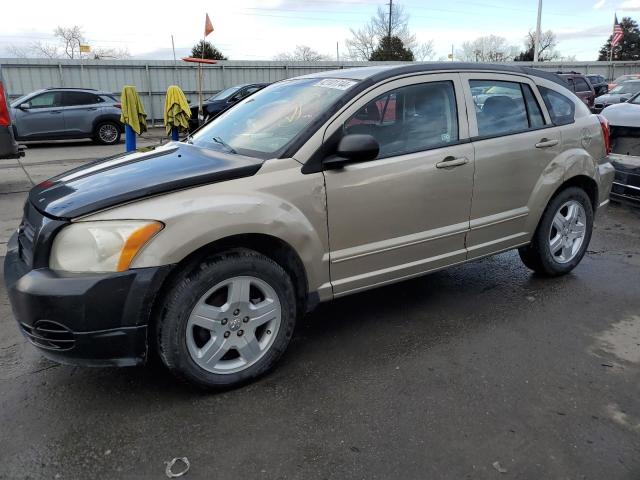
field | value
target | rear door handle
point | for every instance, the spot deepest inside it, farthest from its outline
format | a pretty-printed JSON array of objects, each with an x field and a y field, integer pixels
[
  {"x": 546, "y": 143},
  {"x": 451, "y": 162},
  {"x": 92, "y": 108},
  {"x": 57, "y": 112}
]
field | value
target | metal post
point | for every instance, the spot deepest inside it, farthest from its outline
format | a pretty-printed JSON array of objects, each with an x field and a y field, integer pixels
[
  {"x": 129, "y": 138},
  {"x": 150, "y": 93},
  {"x": 536, "y": 46}
]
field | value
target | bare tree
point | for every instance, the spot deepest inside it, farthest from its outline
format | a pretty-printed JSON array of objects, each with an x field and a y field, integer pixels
[
  {"x": 487, "y": 49},
  {"x": 301, "y": 53},
  {"x": 425, "y": 51},
  {"x": 70, "y": 38},
  {"x": 68, "y": 44},
  {"x": 46, "y": 50},
  {"x": 547, "y": 51},
  {"x": 18, "y": 51},
  {"x": 364, "y": 40}
]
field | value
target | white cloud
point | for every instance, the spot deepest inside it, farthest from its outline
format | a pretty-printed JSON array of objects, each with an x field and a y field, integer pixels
[
  {"x": 599, "y": 4},
  {"x": 630, "y": 5}
]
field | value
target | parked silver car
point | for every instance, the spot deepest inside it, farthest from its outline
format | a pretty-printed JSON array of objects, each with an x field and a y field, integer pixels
[{"x": 64, "y": 113}]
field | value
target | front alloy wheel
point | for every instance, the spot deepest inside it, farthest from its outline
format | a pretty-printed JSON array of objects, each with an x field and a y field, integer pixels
[
  {"x": 226, "y": 320},
  {"x": 233, "y": 325}
]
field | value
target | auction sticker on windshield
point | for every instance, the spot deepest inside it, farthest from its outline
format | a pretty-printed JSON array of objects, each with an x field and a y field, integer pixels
[{"x": 338, "y": 84}]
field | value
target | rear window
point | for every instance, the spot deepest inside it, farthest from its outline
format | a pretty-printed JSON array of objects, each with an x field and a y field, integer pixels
[
  {"x": 582, "y": 85},
  {"x": 561, "y": 109}
]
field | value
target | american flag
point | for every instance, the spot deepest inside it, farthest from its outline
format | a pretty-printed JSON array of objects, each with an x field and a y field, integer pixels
[{"x": 617, "y": 33}]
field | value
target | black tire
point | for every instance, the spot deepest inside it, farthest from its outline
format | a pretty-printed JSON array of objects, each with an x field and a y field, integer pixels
[
  {"x": 537, "y": 255},
  {"x": 107, "y": 133},
  {"x": 190, "y": 285}
]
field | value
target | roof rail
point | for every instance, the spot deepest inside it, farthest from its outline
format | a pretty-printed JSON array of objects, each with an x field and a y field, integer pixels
[{"x": 70, "y": 88}]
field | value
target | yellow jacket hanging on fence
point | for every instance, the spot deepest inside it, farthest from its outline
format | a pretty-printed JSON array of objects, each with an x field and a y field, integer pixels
[
  {"x": 176, "y": 110},
  {"x": 133, "y": 113}
]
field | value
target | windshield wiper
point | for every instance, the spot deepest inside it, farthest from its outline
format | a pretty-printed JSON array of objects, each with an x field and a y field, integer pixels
[{"x": 224, "y": 144}]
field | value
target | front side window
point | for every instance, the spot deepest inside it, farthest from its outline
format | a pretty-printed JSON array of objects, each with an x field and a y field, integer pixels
[
  {"x": 266, "y": 123},
  {"x": 409, "y": 119},
  {"x": 45, "y": 100},
  {"x": 502, "y": 108},
  {"x": 561, "y": 109}
]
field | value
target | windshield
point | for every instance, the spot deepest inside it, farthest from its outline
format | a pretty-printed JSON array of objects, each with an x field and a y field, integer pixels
[
  {"x": 624, "y": 78},
  {"x": 627, "y": 87},
  {"x": 225, "y": 93},
  {"x": 264, "y": 124}
]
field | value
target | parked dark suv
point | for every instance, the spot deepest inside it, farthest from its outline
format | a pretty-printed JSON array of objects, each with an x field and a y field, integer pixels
[
  {"x": 221, "y": 101},
  {"x": 581, "y": 86},
  {"x": 599, "y": 83},
  {"x": 63, "y": 113},
  {"x": 8, "y": 146}
]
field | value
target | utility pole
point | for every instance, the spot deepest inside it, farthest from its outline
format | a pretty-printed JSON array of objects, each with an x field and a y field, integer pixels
[
  {"x": 390, "y": 13},
  {"x": 337, "y": 52},
  {"x": 536, "y": 46}
]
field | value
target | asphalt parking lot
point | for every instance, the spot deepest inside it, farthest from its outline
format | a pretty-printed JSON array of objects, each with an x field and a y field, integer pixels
[{"x": 480, "y": 371}]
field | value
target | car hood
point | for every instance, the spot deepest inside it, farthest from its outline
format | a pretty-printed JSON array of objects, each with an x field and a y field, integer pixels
[
  {"x": 132, "y": 176},
  {"x": 612, "y": 98},
  {"x": 623, "y": 115}
]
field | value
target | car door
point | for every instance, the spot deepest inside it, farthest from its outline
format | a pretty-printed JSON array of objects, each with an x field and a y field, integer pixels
[
  {"x": 42, "y": 117},
  {"x": 514, "y": 141},
  {"x": 584, "y": 91},
  {"x": 407, "y": 211},
  {"x": 80, "y": 109}
]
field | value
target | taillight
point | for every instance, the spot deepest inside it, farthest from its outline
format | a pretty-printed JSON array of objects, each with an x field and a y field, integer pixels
[
  {"x": 118, "y": 105},
  {"x": 4, "y": 111},
  {"x": 606, "y": 133}
]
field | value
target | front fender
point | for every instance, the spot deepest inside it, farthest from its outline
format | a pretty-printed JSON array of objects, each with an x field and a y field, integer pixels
[{"x": 278, "y": 201}]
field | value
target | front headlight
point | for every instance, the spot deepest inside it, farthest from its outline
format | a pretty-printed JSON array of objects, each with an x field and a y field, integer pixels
[{"x": 104, "y": 246}]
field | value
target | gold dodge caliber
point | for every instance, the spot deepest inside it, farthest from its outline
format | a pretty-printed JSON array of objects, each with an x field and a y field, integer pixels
[{"x": 316, "y": 187}]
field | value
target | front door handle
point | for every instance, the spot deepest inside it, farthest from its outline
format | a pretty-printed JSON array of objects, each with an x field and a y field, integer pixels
[
  {"x": 57, "y": 112},
  {"x": 90, "y": 109},
  {"x": 546, "y": 143},
  {"x": 451, "y": 162}
]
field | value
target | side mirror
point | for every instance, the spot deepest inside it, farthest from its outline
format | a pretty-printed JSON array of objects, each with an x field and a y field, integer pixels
[
  {"x": 24, "y": 106},
  {"x": 623, "y": 100},
  {"x": 352, "y": 149}
]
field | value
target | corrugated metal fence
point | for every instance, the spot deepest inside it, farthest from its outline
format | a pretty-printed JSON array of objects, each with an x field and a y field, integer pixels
[{"x": 152, "y": 77}]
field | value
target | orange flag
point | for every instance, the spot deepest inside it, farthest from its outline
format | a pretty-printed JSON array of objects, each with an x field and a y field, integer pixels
[{"x": 208, "y": 26}]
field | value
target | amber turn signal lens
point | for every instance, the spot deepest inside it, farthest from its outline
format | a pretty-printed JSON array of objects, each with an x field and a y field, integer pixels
[{"x": 135, "y": 242}]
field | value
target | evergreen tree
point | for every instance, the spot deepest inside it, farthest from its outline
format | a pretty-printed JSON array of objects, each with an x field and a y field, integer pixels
[
  {"x": 391, "y": 49},
  {"x": 210, "y": 52}
]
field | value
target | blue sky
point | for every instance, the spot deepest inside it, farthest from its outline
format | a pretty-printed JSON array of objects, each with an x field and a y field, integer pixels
[{"x": 259, "y": 29}]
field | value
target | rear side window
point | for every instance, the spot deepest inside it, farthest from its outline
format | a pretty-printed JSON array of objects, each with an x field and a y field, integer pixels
[
  {"x": 561, "y": 109},
  {"x": 70, "y": 99},
  {"x": 409, "y": 119},
  {"x": 582, "y": 85},
  {"x": 504, "y": 107}
]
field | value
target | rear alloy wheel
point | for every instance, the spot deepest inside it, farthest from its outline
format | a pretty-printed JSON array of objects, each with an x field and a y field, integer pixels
[
  {"x": 107, "y": 133},
  {"x": 228, "y": 320},
  {"x": 562, "y": 236}
]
